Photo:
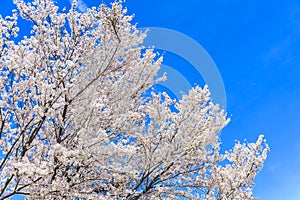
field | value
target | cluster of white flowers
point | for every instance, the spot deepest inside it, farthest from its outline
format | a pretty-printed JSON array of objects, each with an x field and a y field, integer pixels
[{"x": 75, "y": 123}]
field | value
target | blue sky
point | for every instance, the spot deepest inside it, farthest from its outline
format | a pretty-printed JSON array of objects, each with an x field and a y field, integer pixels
[{"x": 256, "y": 46}]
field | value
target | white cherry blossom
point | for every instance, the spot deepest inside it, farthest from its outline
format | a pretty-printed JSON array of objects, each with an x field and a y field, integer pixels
[{"x": 75, "y": 121}]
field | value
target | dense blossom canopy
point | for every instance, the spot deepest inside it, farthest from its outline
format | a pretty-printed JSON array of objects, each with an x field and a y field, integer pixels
[{"x": 78, "y": 118}]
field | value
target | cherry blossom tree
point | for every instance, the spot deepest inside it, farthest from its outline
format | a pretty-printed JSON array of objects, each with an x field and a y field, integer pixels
[{"x": 78, "y": 118}]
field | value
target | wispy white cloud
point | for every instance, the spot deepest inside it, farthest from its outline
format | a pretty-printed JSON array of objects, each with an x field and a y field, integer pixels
[
  {"x": 80, "y": 5},
  {"x": 283, "y": 50}
]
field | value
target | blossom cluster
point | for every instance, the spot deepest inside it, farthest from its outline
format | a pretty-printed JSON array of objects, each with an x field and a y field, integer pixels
[{"x": 78, "y": 118}]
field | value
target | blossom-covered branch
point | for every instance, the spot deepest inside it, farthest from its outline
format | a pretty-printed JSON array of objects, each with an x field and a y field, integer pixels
[{"x": 79, "y": 120}]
